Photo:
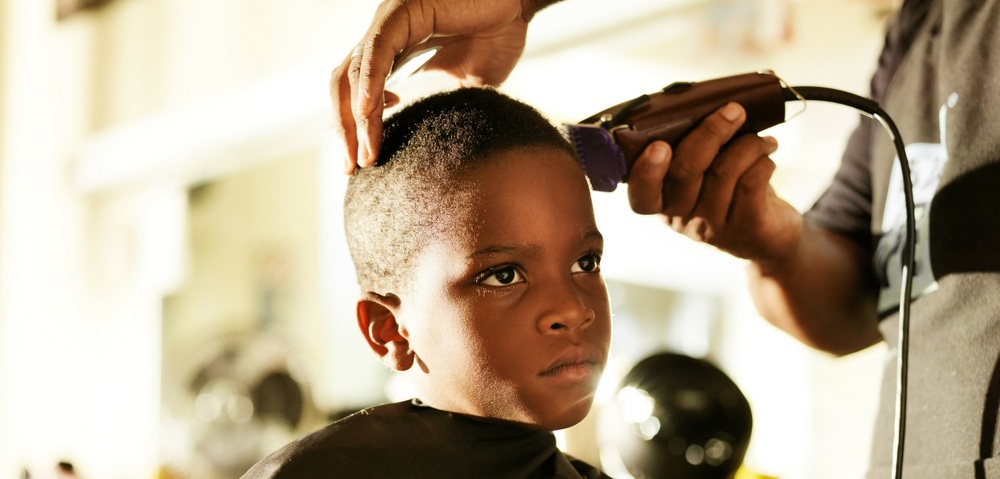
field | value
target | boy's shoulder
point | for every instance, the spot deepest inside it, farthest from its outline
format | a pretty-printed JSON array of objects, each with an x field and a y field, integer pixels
[
  {"x": 406, "y": 439},
  {"x": 344, "y": 445}
]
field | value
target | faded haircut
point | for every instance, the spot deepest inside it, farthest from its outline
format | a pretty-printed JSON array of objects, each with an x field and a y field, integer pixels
[{"x": 410, "y": 197}]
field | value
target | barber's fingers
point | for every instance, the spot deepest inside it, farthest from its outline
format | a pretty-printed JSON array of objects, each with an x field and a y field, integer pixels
[
  {"x": 694, "y": 155},
  {"x": 645, "y": 180},
  {"x": 367, "y": 124},
  {"x": 482, "y": 42},
  {"x": 753, "y": 193},
  {"x": 346, "y": 128},
  {"x": 343, "y": 124},
  {"x": 395, "y": 27},
  {"x": 660, "y": 176},
  {"x": 357, "y": 132},
  {"x": 757, "y": 222},
  {"x": 760, "y": 225},
  {"x": 726, "y": 174},
  {"x": 367, "y": 84}
]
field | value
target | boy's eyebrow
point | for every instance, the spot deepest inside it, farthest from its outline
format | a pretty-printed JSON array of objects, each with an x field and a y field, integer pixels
[
  {"x": 501, "y": 248},
  {"x": 591, "y": 235}
]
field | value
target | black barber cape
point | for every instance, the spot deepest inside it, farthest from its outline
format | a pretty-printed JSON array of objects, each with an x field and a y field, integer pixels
[{"x": 407, "y": 439}]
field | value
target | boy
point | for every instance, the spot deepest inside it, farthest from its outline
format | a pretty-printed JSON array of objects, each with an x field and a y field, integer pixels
[{"x": 475, "y": 244}]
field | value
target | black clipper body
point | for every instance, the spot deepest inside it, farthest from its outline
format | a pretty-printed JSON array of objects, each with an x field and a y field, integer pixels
[{"x": 609, "y": 142}]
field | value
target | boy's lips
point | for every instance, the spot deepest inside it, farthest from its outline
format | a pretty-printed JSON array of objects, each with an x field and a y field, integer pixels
[{"x": 574, "y": 365}]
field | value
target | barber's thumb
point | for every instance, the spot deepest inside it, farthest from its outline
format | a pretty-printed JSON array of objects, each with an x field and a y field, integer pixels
[
  {"x": 657, "y": 153},
  {"x": 645, "y": 180}
]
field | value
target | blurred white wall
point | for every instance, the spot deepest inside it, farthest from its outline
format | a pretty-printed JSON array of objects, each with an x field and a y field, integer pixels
[
  {"x": 84, "y": 266},
  {"x": 108, "y": 117}
]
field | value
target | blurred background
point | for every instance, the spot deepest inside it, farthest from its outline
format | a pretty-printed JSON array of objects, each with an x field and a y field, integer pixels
[{"x": 176, "y": 299}]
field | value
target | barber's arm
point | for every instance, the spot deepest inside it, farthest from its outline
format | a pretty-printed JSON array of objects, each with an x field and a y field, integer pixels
[
  {"x": 819, "y": 293},
  {"x": 716, "y": 189},
  {"x": 481, "y": 43}
]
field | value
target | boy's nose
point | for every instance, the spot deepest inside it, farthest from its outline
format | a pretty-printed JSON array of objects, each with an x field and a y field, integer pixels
[{"x": 566, "y": 311}]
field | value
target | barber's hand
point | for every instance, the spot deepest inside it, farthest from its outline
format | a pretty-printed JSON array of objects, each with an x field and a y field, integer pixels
[
  {"x": 716, "y": 191},
  {"x": 481, "y": 43}
]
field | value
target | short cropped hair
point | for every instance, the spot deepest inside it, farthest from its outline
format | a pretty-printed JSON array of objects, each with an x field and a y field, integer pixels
[{"x": 410, "y": 196}]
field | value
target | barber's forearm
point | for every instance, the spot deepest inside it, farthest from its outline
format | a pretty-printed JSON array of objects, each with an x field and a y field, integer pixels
[{"x": 821, "y": 294}]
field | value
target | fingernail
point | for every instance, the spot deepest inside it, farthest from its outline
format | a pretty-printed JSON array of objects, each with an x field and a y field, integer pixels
[
  {"x": 658, "y": 153},
  {"x": 772, "y": 144},
  {"x": 731, "y": 111}
]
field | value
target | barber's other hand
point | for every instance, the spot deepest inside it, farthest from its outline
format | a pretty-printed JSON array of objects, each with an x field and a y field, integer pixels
[
  {"x": 717, "y": 191},
  {"x": 481, "y": 43}
]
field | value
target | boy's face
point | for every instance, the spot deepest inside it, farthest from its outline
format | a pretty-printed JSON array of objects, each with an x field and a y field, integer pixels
[{"x": 508, "y": 316}]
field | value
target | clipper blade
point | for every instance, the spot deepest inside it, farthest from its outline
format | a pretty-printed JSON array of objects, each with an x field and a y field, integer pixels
[{"x": 602, "y": 159}]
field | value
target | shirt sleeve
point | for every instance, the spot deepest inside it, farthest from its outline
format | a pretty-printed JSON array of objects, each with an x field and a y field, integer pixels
[{"x": 846, "y": 206}]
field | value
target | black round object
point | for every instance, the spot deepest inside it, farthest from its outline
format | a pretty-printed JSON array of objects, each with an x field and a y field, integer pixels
[{"x": 680, "y": 417}]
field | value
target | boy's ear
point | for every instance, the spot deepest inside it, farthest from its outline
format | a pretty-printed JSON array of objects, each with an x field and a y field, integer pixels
[{"x": 377, "y": 321}]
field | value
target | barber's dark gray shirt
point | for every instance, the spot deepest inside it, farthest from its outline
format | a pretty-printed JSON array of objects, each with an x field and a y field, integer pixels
[{"x": 939, "y": 79}]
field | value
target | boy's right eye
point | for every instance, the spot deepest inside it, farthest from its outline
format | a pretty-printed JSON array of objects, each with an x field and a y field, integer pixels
[{"x": 500, "y": 276}]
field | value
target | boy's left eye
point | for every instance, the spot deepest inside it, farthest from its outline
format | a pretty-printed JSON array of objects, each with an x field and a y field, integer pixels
[
  {"x": 504, "y": 276},
  {"x": 588, "y": 263}
]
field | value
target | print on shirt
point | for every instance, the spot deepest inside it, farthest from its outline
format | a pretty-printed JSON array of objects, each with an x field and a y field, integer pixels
[{"x": 927, "y": 161}]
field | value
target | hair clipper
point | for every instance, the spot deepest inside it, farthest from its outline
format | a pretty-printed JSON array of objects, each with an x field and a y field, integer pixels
[{"x": 609, "y": 142}]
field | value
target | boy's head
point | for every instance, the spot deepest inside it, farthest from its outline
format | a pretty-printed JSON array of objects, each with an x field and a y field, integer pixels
[{"x": 475, "y": 243}]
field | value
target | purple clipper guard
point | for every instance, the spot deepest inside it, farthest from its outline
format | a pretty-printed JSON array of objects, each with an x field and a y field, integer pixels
[{"x": 602, "y": 159}]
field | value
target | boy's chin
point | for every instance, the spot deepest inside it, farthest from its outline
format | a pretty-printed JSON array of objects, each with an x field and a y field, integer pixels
[
  {"x": 551, "y": 416},
  {"x": 566, "y": 418}
]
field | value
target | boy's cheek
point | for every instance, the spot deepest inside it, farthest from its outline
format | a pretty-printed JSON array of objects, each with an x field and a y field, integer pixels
[{"x": 599, "y": 297}]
